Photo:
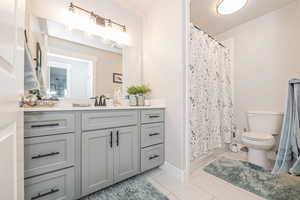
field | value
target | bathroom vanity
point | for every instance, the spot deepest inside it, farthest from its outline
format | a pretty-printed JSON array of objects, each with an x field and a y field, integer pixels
[{"x": 73, "y": 152}]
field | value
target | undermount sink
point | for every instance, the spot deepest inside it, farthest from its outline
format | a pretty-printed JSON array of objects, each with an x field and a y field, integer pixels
[{"x": 81, "y": 105}]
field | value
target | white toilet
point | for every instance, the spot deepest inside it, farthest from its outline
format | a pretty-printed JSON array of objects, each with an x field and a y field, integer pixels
[{"x": 260, "y": 139}]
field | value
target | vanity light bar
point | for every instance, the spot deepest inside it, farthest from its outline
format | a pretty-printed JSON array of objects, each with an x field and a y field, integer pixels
[{"x": 98, "y": 19}]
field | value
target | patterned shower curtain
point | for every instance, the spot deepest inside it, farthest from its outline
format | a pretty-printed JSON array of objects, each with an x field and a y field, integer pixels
[{"x": 210, "y": 95}]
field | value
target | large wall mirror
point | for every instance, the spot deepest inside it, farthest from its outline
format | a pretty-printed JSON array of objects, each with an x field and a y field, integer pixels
[{"x": 72, "y": 64}]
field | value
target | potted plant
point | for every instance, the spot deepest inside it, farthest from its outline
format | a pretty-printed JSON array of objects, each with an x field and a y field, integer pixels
[
  {"x": 132, "y": 92},
  {"x": 143, "y": 90},
  {"x": 137, "y": 94}
]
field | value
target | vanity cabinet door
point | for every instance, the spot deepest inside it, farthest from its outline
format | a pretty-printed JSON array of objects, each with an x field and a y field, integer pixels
[
  {"x": 126, "y": 153},
  {"x": 97, "y": 160}
]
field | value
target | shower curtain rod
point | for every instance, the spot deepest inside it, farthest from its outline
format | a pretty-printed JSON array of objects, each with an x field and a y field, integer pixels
[{"x": 211, "y": 37}]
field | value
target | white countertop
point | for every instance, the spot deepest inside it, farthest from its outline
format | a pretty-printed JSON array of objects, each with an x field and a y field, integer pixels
[{"x": 71, "y": 108}]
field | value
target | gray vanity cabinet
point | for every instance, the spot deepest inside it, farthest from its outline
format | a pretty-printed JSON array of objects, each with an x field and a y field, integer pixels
[
  {"x": 109, "y": 156},
  {"x": 71, "y": 154},
  {"x": 126, "y": 153},
  {"x": 97, "y": 160}
]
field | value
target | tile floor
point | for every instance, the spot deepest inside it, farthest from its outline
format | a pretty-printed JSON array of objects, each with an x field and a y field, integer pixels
[{"x": 200, "y": 186}]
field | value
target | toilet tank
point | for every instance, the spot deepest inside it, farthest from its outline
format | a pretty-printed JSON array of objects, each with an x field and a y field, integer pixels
[{"x": 265, "y": 121}]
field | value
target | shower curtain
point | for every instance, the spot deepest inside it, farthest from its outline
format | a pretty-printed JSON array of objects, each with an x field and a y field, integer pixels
[{"x": 210, "y": 95}]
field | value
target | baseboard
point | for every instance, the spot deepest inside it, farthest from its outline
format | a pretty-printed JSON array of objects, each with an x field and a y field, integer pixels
[{"x": 174, "y": 171}]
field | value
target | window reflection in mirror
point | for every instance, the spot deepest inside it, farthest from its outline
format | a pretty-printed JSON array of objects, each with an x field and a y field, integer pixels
[
  {"x": 70, "y": 77},
  {"x": 58, "y": 82}
]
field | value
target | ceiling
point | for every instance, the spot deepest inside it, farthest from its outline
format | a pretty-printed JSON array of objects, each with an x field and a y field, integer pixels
[
  {"x": 204, "y": 15},
  {"x": 203, "y": 12},
  {"x": 139, "y": 7}
]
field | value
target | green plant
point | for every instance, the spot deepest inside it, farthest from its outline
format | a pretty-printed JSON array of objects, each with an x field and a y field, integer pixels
[
  {"x": 132, "y": 90},
  {"x": 140, "y": 89},
  {"x": 143, "y": 89}
]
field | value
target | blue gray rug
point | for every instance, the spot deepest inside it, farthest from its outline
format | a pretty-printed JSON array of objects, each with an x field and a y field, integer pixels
[
  {"x": 137, "y": 188},
  {"x": 256, "y": 179}
]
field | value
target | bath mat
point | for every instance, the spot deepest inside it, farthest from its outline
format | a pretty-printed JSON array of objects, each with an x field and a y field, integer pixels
[
  {"x": 136, "y": 188},
  {"x": 256, "y": 179}
]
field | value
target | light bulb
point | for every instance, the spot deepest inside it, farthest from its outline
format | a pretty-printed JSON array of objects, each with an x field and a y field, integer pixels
[{"x": 69, "y": 18}]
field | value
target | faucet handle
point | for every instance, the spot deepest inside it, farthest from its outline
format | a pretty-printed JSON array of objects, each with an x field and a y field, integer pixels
[
  {"x": 96, "y": 100},
  {"x": 102, "y": 100}
]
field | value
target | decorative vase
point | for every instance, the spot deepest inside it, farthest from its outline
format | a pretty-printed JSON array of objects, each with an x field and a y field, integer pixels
[
  {"x": 147, "y": 102},
  {"x": 141, "y": 100},
  {"x": 133, "y": 100}
]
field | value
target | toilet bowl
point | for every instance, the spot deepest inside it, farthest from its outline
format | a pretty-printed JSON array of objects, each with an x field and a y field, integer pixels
[
  {"x": 260, "y": 139},
  {"x": 258, "y": 146}
]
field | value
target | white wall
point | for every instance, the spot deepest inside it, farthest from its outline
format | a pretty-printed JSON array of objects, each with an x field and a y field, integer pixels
[
  {"x": 55, "y": 10},
  {"x": 266, "y": 57},
  {"x": 163, "y": 69}
]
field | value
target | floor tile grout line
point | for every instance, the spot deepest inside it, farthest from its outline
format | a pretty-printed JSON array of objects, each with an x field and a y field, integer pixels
[
  {"x": 198, "y": 186},
  {"x": 169, "y": 192},
  {"x": 160, "y": 186},
  {"x": 194, "y": 187}
]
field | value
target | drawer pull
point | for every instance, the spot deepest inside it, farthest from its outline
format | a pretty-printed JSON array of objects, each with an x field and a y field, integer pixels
[
  {"x": 44, "y": 155},
  {"x": 154, "y": 116},
  {"x": 44, "y": 125},
  {"x": 111, "y": 139},
  {"x": 153, "y": 134},
  {"x": 118, "y": 138},
  {"x": 52, "y": 191},
  {"x": 152, "y": 157}
]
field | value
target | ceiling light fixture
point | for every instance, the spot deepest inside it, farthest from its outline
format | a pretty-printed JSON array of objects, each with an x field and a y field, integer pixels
[{"x": 226, "y": 7}]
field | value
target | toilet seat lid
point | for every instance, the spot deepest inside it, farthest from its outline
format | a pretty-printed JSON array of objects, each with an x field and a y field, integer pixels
[{"x": 257, "y": 136}]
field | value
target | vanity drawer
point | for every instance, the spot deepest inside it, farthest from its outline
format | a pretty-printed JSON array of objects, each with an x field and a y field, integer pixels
[
  {"x": 152, "y": 157},
  {"x": 150, "y": 116},
  {"x": 54, "y": 186},
  {"x": 48, "y": 123},
  {"x": 48, "y": 153},
  {"x": 108, "y": 119},
  {"x": 152, "y": 134}
]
